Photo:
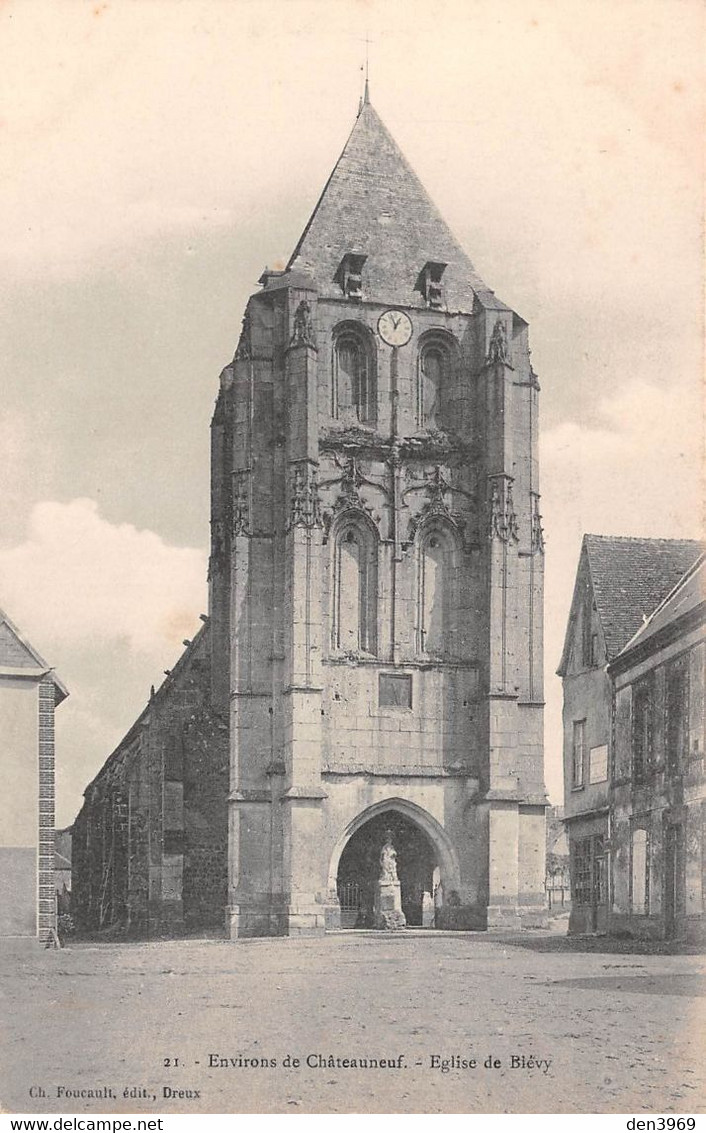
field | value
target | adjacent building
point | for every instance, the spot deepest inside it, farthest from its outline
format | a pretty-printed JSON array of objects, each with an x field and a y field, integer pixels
[
  {"x": 658, "y": 785},
  {"x": 30, "y": 691},
  {"x": 373, "y": 659},
  {"x": 619, "y": 583}
]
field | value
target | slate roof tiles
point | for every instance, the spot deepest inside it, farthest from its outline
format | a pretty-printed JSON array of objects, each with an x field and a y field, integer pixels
[
  {"x": 631, "y": 577},
  {"x": 687, "y": 596},
  {"x": 375, "y": 205}
]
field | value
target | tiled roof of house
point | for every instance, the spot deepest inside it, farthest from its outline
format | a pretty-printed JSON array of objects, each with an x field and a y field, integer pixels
[
  {"x": 374, "y": 204},
  {"x": 630, "y": 577},
  {"x": 686, "y": 596}
]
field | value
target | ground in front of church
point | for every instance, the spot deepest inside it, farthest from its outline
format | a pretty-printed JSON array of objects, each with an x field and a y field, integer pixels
[{"x": 414, "y": 1021}]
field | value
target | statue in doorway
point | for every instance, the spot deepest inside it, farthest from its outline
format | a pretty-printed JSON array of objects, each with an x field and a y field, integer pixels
[
  {"x": 388, "y": 861},
  {"x": 387, "y": 910}
]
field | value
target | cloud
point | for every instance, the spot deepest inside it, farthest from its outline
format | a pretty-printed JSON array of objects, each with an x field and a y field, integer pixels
[
  {"x": 108, "y": 605},
  {"x": 78, "y": 577},
  {"x": 636, "y": 471}
]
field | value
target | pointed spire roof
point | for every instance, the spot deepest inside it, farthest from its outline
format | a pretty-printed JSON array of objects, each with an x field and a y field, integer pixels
[{"x": 374, "y": 204}]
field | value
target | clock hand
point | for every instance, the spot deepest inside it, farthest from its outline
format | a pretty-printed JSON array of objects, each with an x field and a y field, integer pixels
[{"x": 396, "y": 321}]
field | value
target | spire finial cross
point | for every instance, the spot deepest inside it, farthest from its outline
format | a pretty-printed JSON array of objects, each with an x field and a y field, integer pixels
[
  {"x": 365, "y": 99},
  {"x": 366, "y": 96}
]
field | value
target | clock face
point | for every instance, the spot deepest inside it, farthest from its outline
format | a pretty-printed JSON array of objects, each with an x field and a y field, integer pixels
[{"x": 395, "y": 328}]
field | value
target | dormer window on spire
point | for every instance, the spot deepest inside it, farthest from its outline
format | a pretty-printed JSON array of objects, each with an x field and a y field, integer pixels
[
  {"x": 429, "y": 283},
  {"x": 349, "y": 275}
]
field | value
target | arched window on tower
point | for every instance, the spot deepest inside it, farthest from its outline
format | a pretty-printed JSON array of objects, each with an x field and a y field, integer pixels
[
  {"x": 433, "y": 372},
  {"x": 437, "y": 587},
  {"x": 354, "y": 621},
  {"x": 354, "y": 392}
]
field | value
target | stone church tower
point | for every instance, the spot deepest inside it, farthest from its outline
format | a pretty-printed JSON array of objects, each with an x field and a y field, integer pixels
[{"x": 376, "y": 573}]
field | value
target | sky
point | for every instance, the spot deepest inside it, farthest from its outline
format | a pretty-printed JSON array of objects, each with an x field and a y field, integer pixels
[{"x": 157, "y": 156}]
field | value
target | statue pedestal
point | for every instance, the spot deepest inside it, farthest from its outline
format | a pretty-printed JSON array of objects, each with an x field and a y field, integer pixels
[{"x": 388, "y": 905}]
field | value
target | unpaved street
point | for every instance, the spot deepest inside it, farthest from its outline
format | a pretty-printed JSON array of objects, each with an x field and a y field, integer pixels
[{"x": 605, "y": 1031}]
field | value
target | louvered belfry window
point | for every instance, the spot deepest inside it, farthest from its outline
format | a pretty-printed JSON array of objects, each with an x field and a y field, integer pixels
[{"x": 353, "y": 388}]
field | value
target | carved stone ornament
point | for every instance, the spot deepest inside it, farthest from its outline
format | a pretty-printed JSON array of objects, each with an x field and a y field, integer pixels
[
  {"x": 436, "y": 487},
  {"x": 497, "y": 512},
  {"x": 244, "y": 348},
  {"x": 219, "y": 548},
  {"x": 513, "y": 531},
  {"x": 353, "y": 476},
  {"x": 440, "y": 445},
  {"x": 351, "y": 479},
  {"x": 498, "y": 350},
  {"x": 303, "y": 327},
  {"x": 355, "y": 438},
  {"x": 306, "y": 505},
  {"x": 503, "y": 520},
  {"x": 537, "y": 529},
  {"x": 241, "y": 503}
]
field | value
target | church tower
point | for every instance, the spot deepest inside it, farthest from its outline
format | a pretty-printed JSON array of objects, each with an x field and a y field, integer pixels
[{"x": 376, "y": 574}]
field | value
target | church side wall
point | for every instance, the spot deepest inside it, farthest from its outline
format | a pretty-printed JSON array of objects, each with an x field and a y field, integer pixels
[{"x": 150, "y": 842}]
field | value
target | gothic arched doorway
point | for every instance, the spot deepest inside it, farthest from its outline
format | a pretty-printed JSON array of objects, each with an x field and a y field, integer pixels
[{"x": 359, "y": 868}]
